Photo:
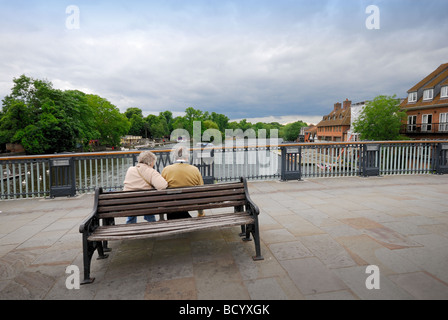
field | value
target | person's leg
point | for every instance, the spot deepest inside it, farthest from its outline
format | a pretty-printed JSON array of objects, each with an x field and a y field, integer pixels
[
  {"x": 178, "y": 215},
  {"x": 150, "y": 218},
  {"x": 131, "y": 220}
]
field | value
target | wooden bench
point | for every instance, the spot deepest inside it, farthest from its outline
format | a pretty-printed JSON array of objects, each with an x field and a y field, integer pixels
[{"x": 100, "y": 227}]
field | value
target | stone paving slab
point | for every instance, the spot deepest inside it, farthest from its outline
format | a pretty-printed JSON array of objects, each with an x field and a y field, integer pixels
[{"x": 318, "y": 238}]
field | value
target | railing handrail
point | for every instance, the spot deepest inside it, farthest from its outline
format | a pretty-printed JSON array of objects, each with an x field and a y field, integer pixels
[
  {"x": 293, "y": 144},
  {"x": 32, "y": 176}
]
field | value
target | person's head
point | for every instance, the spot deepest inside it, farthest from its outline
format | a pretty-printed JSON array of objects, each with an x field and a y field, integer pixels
[
  {"x": 181, "y": 153},
  {"x": 147, "y": 157}
]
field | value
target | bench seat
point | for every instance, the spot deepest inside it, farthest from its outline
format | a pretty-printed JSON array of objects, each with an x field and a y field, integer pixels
[{"x": 168, "y": 227}]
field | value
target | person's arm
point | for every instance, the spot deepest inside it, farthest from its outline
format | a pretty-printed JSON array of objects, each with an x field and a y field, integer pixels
[
  {"x": 158, "y": 181},
  {"x": 199, "y": 177}
]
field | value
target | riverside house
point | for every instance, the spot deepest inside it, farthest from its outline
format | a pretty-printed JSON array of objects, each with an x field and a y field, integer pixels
[
  {"x": 336, "y": 125},
  {"x": 427, "y": 107}
]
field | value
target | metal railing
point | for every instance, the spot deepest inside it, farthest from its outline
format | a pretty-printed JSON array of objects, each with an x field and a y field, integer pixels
[
  {"x": 345, "y": 159},
  {"x": 425, "y": 128},
  {"x": 30, "y": 176}
]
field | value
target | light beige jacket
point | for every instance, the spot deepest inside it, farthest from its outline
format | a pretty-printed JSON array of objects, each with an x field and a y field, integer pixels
[{"x": 147, "y": 179}]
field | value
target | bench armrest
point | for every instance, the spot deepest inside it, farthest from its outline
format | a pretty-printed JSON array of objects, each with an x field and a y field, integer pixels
[
  {"x": 250, "y": 205},
  {"x": 253, "y": 207},
  {"x": 86, "y": 225},
  {"x": 92, "y": 221}
]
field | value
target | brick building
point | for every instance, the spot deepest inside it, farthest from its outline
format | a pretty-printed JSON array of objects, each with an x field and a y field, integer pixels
[
  {"x": 427, "y": 107},
  {"x": 336, "y": 125}
]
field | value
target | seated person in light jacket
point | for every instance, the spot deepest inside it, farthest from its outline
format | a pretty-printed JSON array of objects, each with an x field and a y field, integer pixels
[{"x": 144, "y": 177}]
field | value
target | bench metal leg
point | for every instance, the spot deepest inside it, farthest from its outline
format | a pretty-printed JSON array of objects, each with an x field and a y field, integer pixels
[
  {"x": 100, "y": 249},
  {"x": 89, "y": 248},
  {"x": 243, "y": 231},
  {"x": 253, "y": 229},
  {"x": 246, "y": 233},
  {"x": 105, "y": 247},
  {"x": 108, "y": 222},
  {"x": 256, "y": 235}
]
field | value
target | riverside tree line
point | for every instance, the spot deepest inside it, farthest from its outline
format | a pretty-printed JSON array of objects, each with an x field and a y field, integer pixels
[{"x": 46, "y": 120}]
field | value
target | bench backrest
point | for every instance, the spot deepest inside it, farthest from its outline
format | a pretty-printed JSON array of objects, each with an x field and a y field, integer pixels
[{"x": 137, "y": 203}]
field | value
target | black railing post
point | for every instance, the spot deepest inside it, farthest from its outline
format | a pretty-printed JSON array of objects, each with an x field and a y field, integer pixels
[
  {"x": 62, "y": 177},
  {"x": 370, "y": 160},
  {"x": 441, "y": 158},
  {"x": 291, "y": 163}
]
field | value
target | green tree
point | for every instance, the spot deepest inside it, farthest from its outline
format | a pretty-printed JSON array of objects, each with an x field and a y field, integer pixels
[
  {"x": 192, "y": 115},
  {"x": 137, "y": 126},
  {"x": 79, "y": 116},
  {"x": 209, "y": 124},
  {"x": 179, "y": 123},
  {"x": 380, "y": 120},
  {"x": 17, "y": 116},
  {"x": 51, "y": 133},
  {"x": 168, "y": 115},
  {"x": 137, "y": 122},
  {"x": 110, "y": 123},
  {"x": 244, "y": 125},
  {"x": 291, "y": 131},
  {"x": 157, "y": 125},
  {"x": 133, "y": 111},
  {"x": 220, "y": 119},
  {"x": 32, "y": 92},
  {"x": 43, "y": 119},
  {"x": 160, "y": 127}
]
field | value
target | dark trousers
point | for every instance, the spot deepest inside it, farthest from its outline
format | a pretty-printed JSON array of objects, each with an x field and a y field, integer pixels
[{"x": 178, "y": 215}]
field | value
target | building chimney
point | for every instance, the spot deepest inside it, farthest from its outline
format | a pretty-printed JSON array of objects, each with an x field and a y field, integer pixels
[
  {"x": 337, "y": 106},
  {"x": 347, "y": 104}
]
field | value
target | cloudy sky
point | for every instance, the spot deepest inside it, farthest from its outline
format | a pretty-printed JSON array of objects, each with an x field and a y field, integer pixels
[{"x": 283, "y": 60}]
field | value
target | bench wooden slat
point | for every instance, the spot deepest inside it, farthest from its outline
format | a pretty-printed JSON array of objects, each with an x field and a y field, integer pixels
[
  {"x": 156, "y": 198},
  {"x": 172, "y": 224},
  {"x": 148, "y": 230},
  {"x": 134, "y": 194},
  {"x": 193, "y": 207},
  {"x": 169, "y": 204}
]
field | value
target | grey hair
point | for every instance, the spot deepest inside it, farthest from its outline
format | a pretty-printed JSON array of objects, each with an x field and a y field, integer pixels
[
  {"x": 147, "y": 157},
  {"x": 181, "y": 153}
]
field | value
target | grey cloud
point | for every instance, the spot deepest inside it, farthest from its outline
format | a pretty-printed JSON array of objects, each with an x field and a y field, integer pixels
[{"x": 242, "y": 69}]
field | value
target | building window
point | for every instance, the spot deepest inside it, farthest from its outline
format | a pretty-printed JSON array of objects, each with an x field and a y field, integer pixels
[
  {"x": 412, "y": 123},
  {"x": 428, "y": 94},
  {"x": 444, "y": 92},
  {"x": 412, "y": 97},
  {"x": 426, "y": 122},
  {"x": 443, "y": 119}
]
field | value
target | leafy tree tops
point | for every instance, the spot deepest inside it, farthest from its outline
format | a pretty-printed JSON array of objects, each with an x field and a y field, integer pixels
[{"x": 47, "y": 120}]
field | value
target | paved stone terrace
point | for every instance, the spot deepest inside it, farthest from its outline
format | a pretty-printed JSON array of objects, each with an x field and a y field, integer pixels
[{"x": 318, "y": 237}]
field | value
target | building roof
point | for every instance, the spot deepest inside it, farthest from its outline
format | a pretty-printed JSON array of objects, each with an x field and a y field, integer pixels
[
  {"x": 429, "y": 77},
  {"x": 339, "y": 117},
  {"x": 444, "y": 83},
  {"x": 311, "y": 129},
  {"x": 437, "y": 77}
]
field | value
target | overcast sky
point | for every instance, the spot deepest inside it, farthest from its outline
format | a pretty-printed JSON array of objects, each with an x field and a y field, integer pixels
[{"x": 284, "y": 60}]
